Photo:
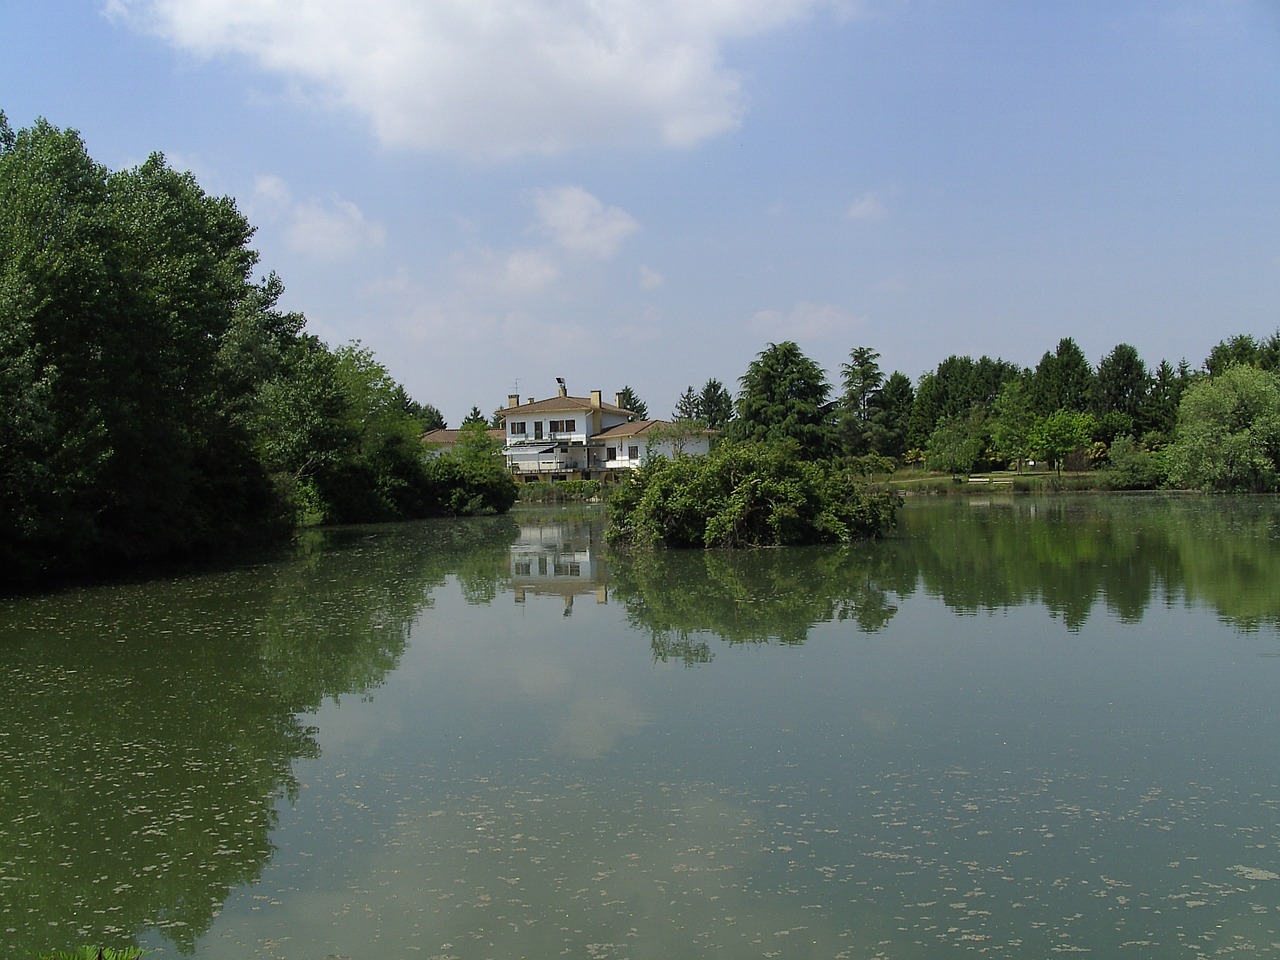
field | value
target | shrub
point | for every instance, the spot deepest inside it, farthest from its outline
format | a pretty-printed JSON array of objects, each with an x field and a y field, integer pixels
[{"x": 747, "y": 495}]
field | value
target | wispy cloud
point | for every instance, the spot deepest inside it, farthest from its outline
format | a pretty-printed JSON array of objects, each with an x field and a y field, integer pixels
[
  {"x": 650, "y": 279},
  {"x": 805, "y": 320},
  {"x": 535, "y": 76},
  {"x": 322, "y": 229},
  {"x": 867, "y": 207},
  {"x": 578, "y": 222}
]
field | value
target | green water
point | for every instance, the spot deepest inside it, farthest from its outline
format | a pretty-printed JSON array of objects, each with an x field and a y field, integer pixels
[{"x": 1019, "y": 728}]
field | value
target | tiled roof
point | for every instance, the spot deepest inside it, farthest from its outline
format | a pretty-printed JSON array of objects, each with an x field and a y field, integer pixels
[
  {"x": 556, "y": 404},
  {"x": 449, "y": 437},
  {"x": 637, "y": 427}
]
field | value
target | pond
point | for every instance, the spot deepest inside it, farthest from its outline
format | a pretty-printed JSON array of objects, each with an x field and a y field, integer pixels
[{"x": 1019, "y": 727}]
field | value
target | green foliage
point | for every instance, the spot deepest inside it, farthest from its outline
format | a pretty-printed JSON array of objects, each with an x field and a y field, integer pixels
[
  {"x": 715, "y": 405},
  {"x": 1130, "y": 467},
  {"x": 471, "y": 480},
  {"x": 154, "y": 403},
  {"x": 784, "y": 400},
  {"x": 746, "y": 495},
  {"x": 1061, "y": 433},
  {"x": 956, "y": 444},
  {"x": 94, "y": 953},
  {"x": 1063, "y": 380},
  {"x": 1228, "y": 433},
  {"x": 686, "y": 406},
  {"x": 628, "y": 400},
  {"x": 1120, "y": 387},
  {"x": 1012, "y": 423}
]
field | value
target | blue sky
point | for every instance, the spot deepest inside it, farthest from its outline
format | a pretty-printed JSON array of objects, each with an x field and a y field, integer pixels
[{"x": 490, "y": 194}]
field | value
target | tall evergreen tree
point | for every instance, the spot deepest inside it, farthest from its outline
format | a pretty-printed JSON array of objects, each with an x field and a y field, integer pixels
[
  {"x": 784, "y": 399},
  {"x": 628, "y": 400},
  {"x": 686, "y": 406},
  {"x": 715, "y": 405},
  {"x": 858, "y": 423},
  {"x": 1063, "y": 380}
]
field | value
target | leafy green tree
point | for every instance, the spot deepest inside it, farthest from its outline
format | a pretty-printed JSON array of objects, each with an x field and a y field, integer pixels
[
  {"x": 628, "y": 400},
  {"x": 475, "y": 416},
  {"x": 1012, "y": 423},
  {"x": 687, "y": 406},
  {"x": 1061, "y": 433},
  {"x": 715, "y": 405},
  {"x": 784, "y": 400},
  {"x": 470, "y": 479},
  {"x": 1228, "y": 433},
  {"x": 955, "y": 446},
  {"x": 748, "y": 494}
]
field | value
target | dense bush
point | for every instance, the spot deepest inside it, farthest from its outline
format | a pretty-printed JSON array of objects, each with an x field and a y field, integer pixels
[
  {"x": 1130, "y": 467},
  {"x": 560, "y": 491},
  {"x": 747, "y": 495}
]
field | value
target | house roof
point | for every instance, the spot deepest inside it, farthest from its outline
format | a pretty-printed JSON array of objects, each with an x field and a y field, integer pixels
[
  {"x": 638, "y": 427},
  {"x": 557, "y": 404},
  {"x": 448, "y": 438}
]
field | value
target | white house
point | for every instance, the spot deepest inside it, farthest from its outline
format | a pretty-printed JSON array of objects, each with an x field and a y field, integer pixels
[{"x": 584, "y": 438}]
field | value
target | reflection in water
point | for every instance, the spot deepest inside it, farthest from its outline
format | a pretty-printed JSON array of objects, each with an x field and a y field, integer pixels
[
  {"x": 147, "y": 731},
  {"x": 559, "y": 555},
  {"x": 885, "y": 759}
]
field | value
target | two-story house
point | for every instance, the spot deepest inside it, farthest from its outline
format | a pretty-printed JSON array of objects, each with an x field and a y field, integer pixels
[{"x": 571, "y": 438}]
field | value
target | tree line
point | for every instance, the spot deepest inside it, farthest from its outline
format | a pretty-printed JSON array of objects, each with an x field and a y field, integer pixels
[
  {"x": 1217, "y": 426},
  {"x": 156, "y": 402}
]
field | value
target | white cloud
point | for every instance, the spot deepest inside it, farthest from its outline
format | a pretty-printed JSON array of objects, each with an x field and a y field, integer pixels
[
  {"x": 580, "y": 223},
  {"x": 867, "y": 207},
  {"x": 804, "y": 321},
  {"x": 650, "y": 279},
  {"x": 323, "y": 230},
  {"x": 530, "y": 270},
  {"x": 486, "y": 78}
]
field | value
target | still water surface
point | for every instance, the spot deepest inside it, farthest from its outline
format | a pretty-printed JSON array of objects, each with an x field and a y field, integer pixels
[{"x": 1019, "y": 728}]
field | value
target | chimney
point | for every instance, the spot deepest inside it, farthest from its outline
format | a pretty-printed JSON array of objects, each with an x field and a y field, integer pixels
[
  {"x": 597, "y": 413},
  {"x": 595, "y": 399},
  {"x": 513, "y": 400},
  {"x": 617, "y": 399},
  {"x": 564, "y": 391}
]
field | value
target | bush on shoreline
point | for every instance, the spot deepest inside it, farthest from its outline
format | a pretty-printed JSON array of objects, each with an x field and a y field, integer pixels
[{"x": 747, "y": 495}]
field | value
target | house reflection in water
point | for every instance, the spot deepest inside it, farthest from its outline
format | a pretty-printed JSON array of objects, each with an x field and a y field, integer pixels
[{"x": 558, "y": 557}]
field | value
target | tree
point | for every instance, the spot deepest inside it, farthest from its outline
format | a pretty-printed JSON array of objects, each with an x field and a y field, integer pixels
[
  {"x": 1120, "y": 388},
  {"x": 471, "y": 479},
  {"x": 894, "y": 403},
  {"x": 1012, "y": 423},
  {"x": 475, "y": 416},
  {"x": 858, "y": 406},
  {"x": 1228, "y": 432},
  {"x": 715, "y": 405},
  {"x": 955, "y": 445},
  {"x": 784, "y": 400},
  {"x": 628, "y": 400},
  {"x": 687, "y": 406},
  {"x": 1160, "y": 411},
  {"x": 1060, "y": 433},
  {"x": 747, "y": 495},
  {"x": 1063, "y": 380}
]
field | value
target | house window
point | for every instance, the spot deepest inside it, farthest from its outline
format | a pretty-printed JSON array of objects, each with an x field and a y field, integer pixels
[
  {"x": 611, "y": 453},
  {"x": 537, "y": 429},
  {"x": 518, "y": 429},
  {"x": 633, "y": 453},
  {"x": 563, "y": 426}
]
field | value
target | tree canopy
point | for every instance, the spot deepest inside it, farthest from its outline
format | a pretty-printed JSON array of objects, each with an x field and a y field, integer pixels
[
  {"x": 784, "y": 399},
  {"x": 154, "y": 401}
]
